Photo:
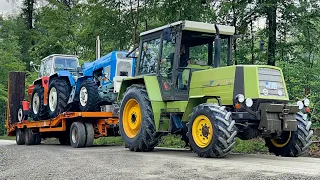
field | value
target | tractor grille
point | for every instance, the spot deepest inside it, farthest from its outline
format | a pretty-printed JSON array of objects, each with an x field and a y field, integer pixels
[
  {"x": 270, "y": 82},
  {"x": 124, "y": 68}
]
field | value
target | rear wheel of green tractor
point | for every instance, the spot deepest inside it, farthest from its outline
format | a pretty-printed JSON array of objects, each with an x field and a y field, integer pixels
[
  {"x": 292, "y": 143},
  {"x": 211, "y": 131},
  {"x": 136, "y": 123},
  {"x": 59, "y": 91}
]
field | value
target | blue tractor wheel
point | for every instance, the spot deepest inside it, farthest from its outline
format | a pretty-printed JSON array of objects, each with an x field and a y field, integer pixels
[{"x": 89, "y": 97}]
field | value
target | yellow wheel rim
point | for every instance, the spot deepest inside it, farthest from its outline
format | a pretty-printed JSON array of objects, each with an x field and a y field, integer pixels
[
  {"x": 202, "y": 131},
  {"x": 286, "y": 136},
  {"x": 132, "y": 118}
]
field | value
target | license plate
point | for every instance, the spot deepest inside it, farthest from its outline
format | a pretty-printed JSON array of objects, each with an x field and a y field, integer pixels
[{"x": 271, "y": 85}]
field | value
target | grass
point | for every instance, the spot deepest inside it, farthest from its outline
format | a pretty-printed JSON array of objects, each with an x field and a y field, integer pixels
[
  {"x": 8, "y": 137},
  {"x": 174, "y": 141}
]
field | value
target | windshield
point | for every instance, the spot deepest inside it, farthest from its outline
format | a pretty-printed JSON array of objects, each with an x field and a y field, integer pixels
[
  {"x": 70, "y": 63},
  {"x": 198, "y": 49}
]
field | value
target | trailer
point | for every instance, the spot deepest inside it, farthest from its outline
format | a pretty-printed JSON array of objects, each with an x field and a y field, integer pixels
[{"x": 78, "y": 129}]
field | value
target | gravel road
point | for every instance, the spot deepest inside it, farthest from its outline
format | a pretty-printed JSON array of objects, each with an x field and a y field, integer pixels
[{"x": 51, "y": 161}]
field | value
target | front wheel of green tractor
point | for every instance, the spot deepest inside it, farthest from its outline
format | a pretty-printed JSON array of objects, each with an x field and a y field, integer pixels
[
  {"x": 292, "y": 143},
  {"x": 211, "y": 131},
  {"x": 136, "y": 122}
]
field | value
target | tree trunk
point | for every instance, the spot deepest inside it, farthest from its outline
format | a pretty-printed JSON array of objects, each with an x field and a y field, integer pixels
[{"x": 272, "y": 28}]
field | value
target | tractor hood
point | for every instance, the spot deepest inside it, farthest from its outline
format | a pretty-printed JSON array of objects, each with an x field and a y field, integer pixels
[{"x": 253, "y": 81}]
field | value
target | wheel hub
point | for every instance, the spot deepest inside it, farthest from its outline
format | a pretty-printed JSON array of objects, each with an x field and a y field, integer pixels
[
  {"x": 35, "y": 103},
  {"x": 20, "y": 115},
  {"x": 205, "y": 131},
  {"x": 202, "y": 131},
  {"x": 83, "y": 96},
  {"x": 53, "y": 98},
  {"x": 74, "y": 136},
  {"x": 132, "y": 118}
]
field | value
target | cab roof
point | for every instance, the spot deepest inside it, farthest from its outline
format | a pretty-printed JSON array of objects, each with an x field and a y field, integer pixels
[
  {"x": 196, "y": 26},
  {"x": 60, "y": 55}
]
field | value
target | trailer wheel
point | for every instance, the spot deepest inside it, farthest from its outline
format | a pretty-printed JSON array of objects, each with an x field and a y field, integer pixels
[
  {"x": 77, "y": 135},
  {"x": 20, "y": 139},
  {"x": 211, "y": 131},
  {"x": 89, "y": 134},
  {"x": 59, "y": 91},
  {"x": 136, "y": 123},
  {"x": 38, "y": 109},
  {"x": 29, "y": 137},
  {"x": 292, "y": 143},
  {"x": 89, "y": 96}
]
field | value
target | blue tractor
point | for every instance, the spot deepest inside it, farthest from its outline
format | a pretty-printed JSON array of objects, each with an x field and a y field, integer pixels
[
  {"x": 100, "y": 81},
  {"x": 64, "y": 86}
]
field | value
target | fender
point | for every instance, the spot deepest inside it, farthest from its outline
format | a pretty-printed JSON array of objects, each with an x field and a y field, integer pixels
[
  {"x": 76, "y": 88},
  {"x": 64, "y": 73},
  {"x": 30, "y": 90},
  {"x": 195, "y": 101},
  {"x": 45, "y": 85}
]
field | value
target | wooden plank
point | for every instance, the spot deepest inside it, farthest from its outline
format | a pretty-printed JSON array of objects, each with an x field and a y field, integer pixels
[{"x": 16, "y": 94}]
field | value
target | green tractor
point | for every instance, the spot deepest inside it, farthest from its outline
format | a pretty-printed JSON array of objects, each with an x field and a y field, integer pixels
[{"x": 181, "y": 88}]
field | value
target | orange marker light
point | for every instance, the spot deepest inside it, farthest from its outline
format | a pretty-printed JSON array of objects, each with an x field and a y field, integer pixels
[
  {"x": 237, "y": 106},
  {"x": 307, "y": 109}
]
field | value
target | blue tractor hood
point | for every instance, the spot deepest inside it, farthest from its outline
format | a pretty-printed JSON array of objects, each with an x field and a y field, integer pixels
[{"x": 90, "y": 67}]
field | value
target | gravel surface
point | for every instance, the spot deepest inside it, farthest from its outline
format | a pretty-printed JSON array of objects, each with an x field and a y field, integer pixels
[{"x": 52, "y": 161}]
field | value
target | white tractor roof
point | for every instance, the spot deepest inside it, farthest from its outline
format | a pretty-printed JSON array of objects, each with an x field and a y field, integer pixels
[
  {"x": 61, "y": 55},
  {"x": 196, "y": 26}
]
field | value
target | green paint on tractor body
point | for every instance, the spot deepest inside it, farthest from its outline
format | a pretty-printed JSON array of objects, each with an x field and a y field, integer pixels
[
  {"x": 179, "y": 78},
  {"x": 211, "y": 82}
]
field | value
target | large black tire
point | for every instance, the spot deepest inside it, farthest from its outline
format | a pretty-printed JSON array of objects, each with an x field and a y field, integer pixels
[
  {"x": 20, "y": 139},
  {"x": 30, "y": 138},
  {"x": 58, "y": 104},
  {"x": 88, "y": 96},
  {"x": 41, "y": 112},
  {"x": 222, "y": 136},
  {"x": 292, "y": 144},
  {"x": 77, "y": 135},
  {"x": 146, "y": 137},
  {"x": 89, "y": 134}
]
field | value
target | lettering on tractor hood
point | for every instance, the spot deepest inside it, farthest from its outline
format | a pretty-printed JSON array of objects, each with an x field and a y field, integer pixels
[{"x": 218, "y": 82}]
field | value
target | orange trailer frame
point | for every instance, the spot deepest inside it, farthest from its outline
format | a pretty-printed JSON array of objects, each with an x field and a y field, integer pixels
[{"x": 100, "y": 120}]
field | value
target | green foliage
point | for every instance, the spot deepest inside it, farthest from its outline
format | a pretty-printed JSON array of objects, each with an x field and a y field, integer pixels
[
  {"x": 116, "y": 141},
  {"x": 250, "y": 146},
  {"x": 71, "y": 27}
]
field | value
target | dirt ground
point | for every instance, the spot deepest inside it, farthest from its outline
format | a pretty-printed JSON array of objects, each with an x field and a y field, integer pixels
[{"x": 52, "y": 161}]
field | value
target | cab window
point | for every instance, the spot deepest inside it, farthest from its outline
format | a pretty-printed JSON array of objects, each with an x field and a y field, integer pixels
[{"x": 149, "y": 56}]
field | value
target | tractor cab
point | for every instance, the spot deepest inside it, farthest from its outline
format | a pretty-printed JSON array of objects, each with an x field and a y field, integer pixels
[
  {"x": 172, "y": 52},
  {"x": 55, "y": 62}
]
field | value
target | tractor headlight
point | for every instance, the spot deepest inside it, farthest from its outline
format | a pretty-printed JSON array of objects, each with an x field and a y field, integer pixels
[
  {"x": 240, "y": 98},
  {"x": 300, "y": 104},
  {"x": 249, "y": 102},
  {"x": 306, "y": 102}
]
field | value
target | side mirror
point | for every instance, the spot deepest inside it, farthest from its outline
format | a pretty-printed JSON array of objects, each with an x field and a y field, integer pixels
[{"x": 34, "y": 66}]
